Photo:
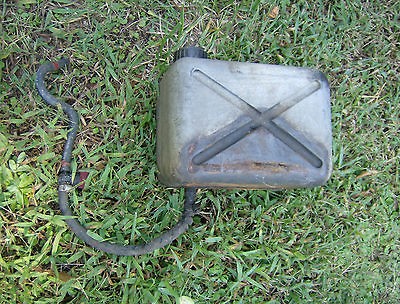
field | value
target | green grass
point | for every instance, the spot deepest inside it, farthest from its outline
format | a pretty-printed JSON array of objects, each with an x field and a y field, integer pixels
[{"x": 334, "y": 244}]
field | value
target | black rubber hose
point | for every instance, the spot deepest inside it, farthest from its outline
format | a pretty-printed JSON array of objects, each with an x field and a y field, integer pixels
[
  {"x": 65, "y": 182},
  {"x": 51, "y": 100}
]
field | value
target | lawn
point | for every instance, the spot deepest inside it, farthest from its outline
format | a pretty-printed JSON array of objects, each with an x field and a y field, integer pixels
[{"x": 338, "y": 243}]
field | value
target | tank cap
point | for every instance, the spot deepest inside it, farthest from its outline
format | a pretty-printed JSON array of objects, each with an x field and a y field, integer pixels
[{"x": 190, "y": 51}]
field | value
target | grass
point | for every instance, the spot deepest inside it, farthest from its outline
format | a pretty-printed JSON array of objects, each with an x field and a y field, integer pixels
[{"x": 334, "y": 244}]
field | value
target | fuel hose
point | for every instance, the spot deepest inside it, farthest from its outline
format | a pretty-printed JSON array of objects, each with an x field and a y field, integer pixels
[{"x": 65, "y": 183}]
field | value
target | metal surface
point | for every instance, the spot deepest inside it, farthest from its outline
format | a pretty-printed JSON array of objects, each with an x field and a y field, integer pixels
[{"x": 243, "y": 125}]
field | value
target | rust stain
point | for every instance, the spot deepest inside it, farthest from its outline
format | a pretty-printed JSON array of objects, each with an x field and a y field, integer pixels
[
  {"x": 248, "y": 166},
  {"x": 235, "y": 186},
  {"x": 191, "y": 149}
]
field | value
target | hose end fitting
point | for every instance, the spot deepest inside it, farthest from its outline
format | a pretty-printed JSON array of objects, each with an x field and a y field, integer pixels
[
  {"x": 63, "y": 62},
  {"x": 60, "y": 63}
]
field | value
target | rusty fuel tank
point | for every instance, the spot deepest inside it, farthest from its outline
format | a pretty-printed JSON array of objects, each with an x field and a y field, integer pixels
[{"x": 223, "y": 124}]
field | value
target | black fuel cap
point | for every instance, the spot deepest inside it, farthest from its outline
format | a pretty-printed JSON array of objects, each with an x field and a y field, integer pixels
[{"x": 190, "y": 51}]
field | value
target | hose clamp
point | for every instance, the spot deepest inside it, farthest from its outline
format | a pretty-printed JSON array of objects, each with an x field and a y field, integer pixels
[{"x": 64, "y": 188}]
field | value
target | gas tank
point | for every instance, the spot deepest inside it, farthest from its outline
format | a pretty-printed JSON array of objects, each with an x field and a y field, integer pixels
[{"x": 223, "y": 124}]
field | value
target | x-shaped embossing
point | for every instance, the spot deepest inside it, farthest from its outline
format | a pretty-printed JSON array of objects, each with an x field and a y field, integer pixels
[{"x": 258, "y": 119}]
